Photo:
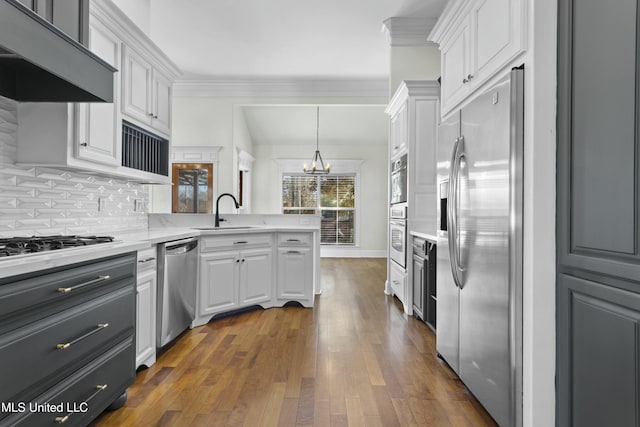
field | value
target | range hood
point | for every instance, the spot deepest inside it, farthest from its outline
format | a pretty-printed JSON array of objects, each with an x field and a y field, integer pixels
[{"x": 39, "y": 63}]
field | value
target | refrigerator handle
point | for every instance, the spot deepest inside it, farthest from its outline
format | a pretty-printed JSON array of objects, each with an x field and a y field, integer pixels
[{"x": 452, "y": 211}]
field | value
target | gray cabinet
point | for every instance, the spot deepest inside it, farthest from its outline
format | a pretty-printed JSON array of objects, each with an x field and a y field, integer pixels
[
  {"x": 73, "y": 328},
  {"x": 69, "y": 16},
  {"x": 419, "y": 290},
  {"x": 598, "y": 224}
]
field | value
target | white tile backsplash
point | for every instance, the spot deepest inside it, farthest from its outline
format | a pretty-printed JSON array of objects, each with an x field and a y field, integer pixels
[{"x": 41, "y": 201}]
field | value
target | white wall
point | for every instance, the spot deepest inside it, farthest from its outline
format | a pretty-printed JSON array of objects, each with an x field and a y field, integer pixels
[
  {"x": 139, "y": 11},
  {"x": 209, "y": 121},
  {"x": 372, "y": 227},
  {"x": 413, "y": 63},
  {"x": 43, "y": 201}
]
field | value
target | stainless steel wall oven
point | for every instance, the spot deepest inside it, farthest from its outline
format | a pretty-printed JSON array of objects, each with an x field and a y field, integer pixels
[{"x": 398, "y": 234}]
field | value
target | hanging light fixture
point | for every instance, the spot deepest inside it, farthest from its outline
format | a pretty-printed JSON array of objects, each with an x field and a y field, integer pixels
[{"x": 317, "y": 164}]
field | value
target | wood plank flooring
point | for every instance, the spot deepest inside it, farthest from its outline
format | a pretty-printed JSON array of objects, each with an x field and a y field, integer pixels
[{"x": 353, "y": 360}]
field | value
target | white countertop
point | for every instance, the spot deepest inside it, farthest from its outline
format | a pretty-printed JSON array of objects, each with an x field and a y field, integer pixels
[
  {"x": 426, "y": 236},
  {"x": 125, "y": 242},
  {"x": 22, "y": 264}
]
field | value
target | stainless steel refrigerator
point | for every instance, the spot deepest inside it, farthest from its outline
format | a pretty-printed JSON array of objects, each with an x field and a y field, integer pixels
[{"x": 479, "y": 269}]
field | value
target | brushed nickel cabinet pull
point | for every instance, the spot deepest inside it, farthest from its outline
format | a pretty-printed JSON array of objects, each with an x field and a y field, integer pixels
[
  {"x": 293, "y": 252},
  {"x": 62, "y": 420},
  {"x": 293, "y": 240},
  {"x": 82, "y": 285},
  {"x": 98, "y": 328},
  {"x": 241, "y": 242},
  {"x": 101, "y": 387}
]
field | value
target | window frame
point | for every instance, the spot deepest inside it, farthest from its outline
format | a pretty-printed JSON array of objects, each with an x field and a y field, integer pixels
[{"x": 289, "y": 166}]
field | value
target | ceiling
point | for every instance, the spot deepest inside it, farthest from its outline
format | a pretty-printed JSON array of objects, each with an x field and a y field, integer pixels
[
  {"x": 249, "y": 39},
  {"x": 292, "y": 40},
  {"x": 296, "y": 124}
]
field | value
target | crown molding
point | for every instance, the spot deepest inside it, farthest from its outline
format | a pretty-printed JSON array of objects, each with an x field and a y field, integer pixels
[
  {"x": 409, "y": 31},
  {"x": 368, "y": 87},
  {"x": 110, "y": 15},
  {"x": 417, "y": 88}
]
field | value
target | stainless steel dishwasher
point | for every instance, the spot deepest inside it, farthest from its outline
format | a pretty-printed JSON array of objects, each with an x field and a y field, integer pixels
[{"x": 177, "y": 277}]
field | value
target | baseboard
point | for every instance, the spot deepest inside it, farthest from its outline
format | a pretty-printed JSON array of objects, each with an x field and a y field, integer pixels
[{"x": 333, "y": 252}]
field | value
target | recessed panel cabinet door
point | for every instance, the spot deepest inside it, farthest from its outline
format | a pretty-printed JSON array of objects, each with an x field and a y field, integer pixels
[
  {"x": 161, "y": 103},
  {"x": 256, "y": 267},
  {"x": 219, "y": 275},
  {"x": 146, "y": 316},
  {"x": 598, "y": 224},
  {"x": 295, "y": 274},
  {"x": 455, "y": 67},
  {"x": 99, "y": 136},
  {"x": 136, "y": 87}
]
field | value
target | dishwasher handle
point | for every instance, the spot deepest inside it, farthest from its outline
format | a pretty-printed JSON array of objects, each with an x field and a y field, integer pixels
[{"x": 180, "y": 247}]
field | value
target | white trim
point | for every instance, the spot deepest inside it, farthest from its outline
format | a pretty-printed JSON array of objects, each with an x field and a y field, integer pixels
[
  {"x": 109, "y": 14},
  {"x": 350, "y": 252},
  {"x": 195, "y": 154},
  {"x": 245, "y": 160},
  {"x": 409, "y": 31},
  {"x": 230, "y": 87}
]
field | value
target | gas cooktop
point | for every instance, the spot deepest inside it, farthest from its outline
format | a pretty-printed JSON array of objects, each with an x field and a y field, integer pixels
[{"x": 27, "y": 245}]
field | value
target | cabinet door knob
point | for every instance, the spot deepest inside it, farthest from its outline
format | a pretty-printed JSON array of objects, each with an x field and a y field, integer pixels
[
  {"x": 150, "y": 115},
  {"x": 155, "y": 116},
  {"x": 84, "y": 144}
]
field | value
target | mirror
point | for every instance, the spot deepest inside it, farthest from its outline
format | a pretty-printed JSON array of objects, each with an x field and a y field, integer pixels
[{"x": 192, "y": 188}]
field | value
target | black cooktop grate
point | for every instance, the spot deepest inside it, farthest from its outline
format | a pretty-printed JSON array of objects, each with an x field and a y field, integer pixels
[{"x": 25, "y": 245}]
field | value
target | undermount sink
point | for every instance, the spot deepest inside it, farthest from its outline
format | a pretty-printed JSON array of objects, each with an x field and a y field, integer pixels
[{"x": 239, "y": 227}]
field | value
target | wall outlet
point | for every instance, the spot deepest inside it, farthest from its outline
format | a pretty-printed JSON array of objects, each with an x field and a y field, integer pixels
[
  {"x": 138, "y": 205},
  {"x": 102, "y": 204}
]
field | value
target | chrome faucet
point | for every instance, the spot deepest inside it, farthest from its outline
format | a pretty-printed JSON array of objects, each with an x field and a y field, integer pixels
[{"x": 217, "y": 223}]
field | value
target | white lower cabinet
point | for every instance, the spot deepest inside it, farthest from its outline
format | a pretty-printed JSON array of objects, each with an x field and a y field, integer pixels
[
  {"x": 218, "y": 282},
  {"x": 398, "y": 284},
  {"x": 236, "y": 271},
  {"x": 256, "y": 266},
  {"x": 146, "y": 286},
  {"x": 295, "y": 275},
  {"x": 241, "y": 270}
]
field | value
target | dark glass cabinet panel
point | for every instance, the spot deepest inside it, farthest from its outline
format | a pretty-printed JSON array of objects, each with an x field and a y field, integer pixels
[{"x": 192, "y": 188}]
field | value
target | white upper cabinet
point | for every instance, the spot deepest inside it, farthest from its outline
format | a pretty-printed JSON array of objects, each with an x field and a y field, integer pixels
[
  {"x": 98, "y": 137},
  {"x": 161, "y": 102},
  {"x": 136, "y": 88},
  {"x": 398, "y": 134},
  {"x": 146, "y": 92},
  {"x": 455, "y": 66},
  {"x": 89, "y": 136},
  {"x": 477, "y": 39}
]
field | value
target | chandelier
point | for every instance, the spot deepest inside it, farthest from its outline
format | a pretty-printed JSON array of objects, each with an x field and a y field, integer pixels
[{"x": 317, "y": 164}]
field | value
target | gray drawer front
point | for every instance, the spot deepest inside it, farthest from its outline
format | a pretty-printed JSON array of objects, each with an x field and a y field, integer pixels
[
  {"x": 41, "y": 291},
  {"x": 34, "y": 347},
  {"x": 115, "y": 369}
]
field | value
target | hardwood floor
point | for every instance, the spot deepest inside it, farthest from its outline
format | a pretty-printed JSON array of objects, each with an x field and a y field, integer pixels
[{"x": 353, "y": 360}]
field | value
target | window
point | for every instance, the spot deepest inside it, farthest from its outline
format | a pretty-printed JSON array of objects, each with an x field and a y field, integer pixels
[
  {"x": 192, "y": 190},
  {"x": 332, "y": 196}
]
